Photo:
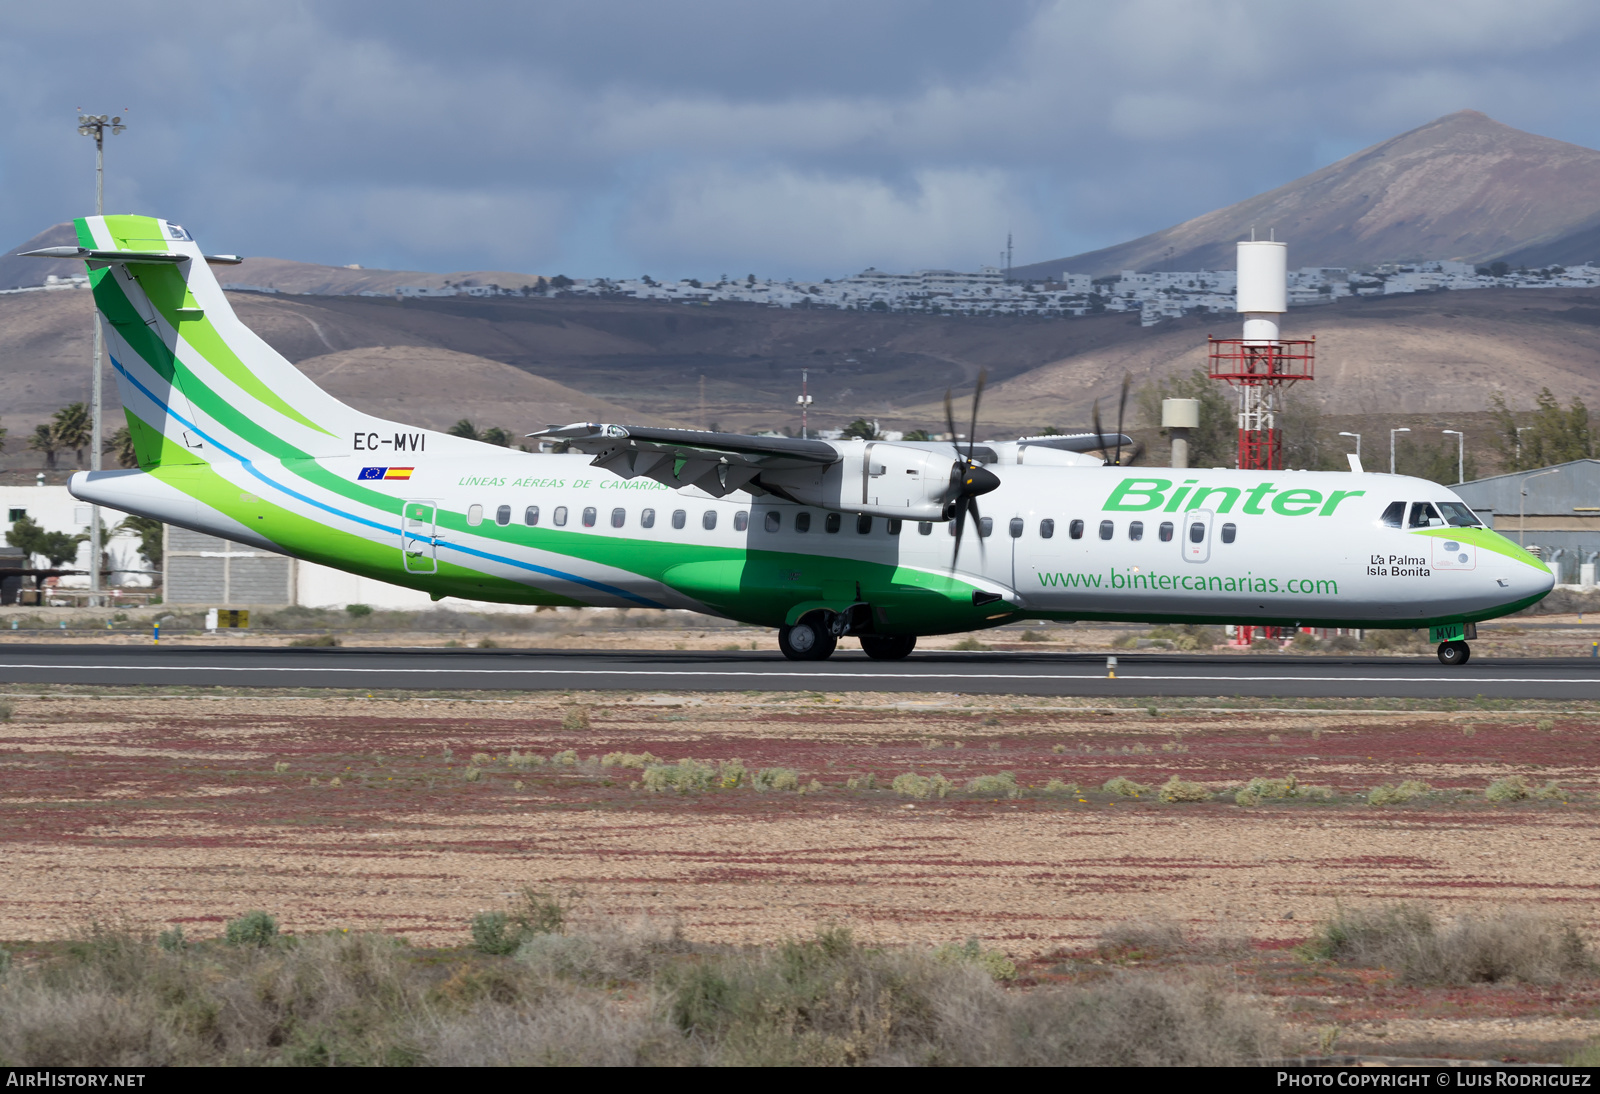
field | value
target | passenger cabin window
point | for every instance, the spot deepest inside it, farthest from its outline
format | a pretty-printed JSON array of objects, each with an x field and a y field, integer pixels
[
  {"x": 679, "y": 518},
  {"x": 1075, "y": 529},
  {"x": 863, "y": 524},
  {"x": 1459, "y": 515},
  {"x": 1197, "y": 532},
  {"x": 802, "y": 521},
  {"x": 559, "y": 517},
  {"x": 894, "y": 526},
  {"x": 647, "y": 518},
  {"x": 1424, "y": 515},
  {"x": 1107, "y": 529},
  {"x": 985, "y": 526},
  {"x": 530, "y": 515},
  {"x": 1228, "y": 532},
  {"x": 589, "y": 515},
  {"x": 773, "y": 521},
  {"x": 1016, "y": 526},
  {"x": 1136, "y": 530},
  {"x": 924, "y": 527},
  {"x": 1393, "y": 515},
  {"x": 502, "y": 515},
  {"x": 474, "y": 514},
  {"x": 832, "y": 523},
  {"x": 619, "y": 517},
  {"x": 741, "y": 520},
  {"x": 1166, "y": 531},
  {"x": 708, "y": 520},
  {"x": 1047, "y": 528}
]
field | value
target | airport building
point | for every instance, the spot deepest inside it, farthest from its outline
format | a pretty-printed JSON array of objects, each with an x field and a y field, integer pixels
[{"x": 1556, "y": 509}]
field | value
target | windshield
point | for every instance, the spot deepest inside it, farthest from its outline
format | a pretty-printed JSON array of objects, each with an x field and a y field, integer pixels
[{"x": 1459, "y": 515}]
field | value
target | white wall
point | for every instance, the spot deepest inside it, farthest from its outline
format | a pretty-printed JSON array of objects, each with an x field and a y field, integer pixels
[{"x": 55, "y": 510}]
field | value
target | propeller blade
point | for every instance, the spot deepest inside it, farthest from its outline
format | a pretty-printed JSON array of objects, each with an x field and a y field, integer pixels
[
  {"x": 1122, "y": 405},
  {"x": 961, "y": 525},
  {"x": 950, "y": 422},
  {"x": 977, "y": 395},
  {"x": 1137, "y": 451},
  {"x": 1099, "y": 431},
  {"x": 977, "y": 522}
]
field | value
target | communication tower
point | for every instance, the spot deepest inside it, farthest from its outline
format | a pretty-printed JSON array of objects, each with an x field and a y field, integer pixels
[{"x": 1261, "y": 365}]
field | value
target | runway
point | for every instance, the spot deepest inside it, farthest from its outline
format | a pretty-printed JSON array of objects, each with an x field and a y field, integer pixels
[{"x": 1137, "y": 675}]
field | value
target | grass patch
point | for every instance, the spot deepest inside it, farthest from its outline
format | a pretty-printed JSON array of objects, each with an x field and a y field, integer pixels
[
  {"x": 617, "y": 993},
  {"x": 775, "y": 778},
  {"x": 315, "y": 641},
  {"x": 684, "y": 776},
  {"x": 921, "y": 787},
  {"x": 969, "y": 643},
  {"x": 1510, "y": 945},
  {"x": 1259, "y": 789}
]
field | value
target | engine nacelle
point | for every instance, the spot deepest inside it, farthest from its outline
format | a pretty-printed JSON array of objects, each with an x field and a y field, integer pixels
[{"x": 877, "y": 477}]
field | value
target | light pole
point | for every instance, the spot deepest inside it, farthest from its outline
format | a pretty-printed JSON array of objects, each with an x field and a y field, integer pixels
[
  {"x": 1461, "y": 454},
  {"x": 1357, "y": 436},
  {"x": 1392, "y": 432},
  {"x": 804, "y": 399},
  {"x": 95, "y": 125},
  {"x": 1522, "y": 505}
]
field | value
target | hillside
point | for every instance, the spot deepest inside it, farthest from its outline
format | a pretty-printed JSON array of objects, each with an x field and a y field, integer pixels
[
  {"x": 522, "y": 364},
  {"x": 279, "y": 274},
  {"x": 1463, "y": 187}
]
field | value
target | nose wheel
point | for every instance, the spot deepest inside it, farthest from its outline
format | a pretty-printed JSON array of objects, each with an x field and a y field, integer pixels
[{"x": 1454, "y": 653}]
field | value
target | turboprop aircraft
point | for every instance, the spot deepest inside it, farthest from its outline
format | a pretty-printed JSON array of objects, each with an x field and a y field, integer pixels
[{"x": 881, "y": 541}]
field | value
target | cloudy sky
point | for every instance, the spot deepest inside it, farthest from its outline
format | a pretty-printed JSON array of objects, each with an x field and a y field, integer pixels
[{"x": 699, "y": 137}]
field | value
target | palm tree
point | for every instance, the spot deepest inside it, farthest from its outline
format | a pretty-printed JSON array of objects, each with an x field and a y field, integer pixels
[
  {"x": 121, "y": 444},
  {"x": 464, "y": 428},
  {"x": 44, "y": 440},
  {"x": 71, "y": 426},
  {"x": 863, "y": 428}
]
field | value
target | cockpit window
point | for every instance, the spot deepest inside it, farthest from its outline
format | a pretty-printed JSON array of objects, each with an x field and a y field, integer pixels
[
  {"x": 1459, "y": 515},
  {"x": 1424, "y": 515},
  {"x": 1394, "y": 515}
]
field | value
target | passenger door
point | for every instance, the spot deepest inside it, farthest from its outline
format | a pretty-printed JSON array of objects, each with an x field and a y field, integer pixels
[
  {"x": 1196, "y": 534},
  {"x": 417, "y": 550}
]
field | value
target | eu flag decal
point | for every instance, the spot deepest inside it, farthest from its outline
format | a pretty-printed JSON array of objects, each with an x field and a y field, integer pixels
[{"x": 371, "y": 473}]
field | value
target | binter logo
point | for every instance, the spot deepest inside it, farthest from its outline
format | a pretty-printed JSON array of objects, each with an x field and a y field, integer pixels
[{"x": 1150, "y": 495}]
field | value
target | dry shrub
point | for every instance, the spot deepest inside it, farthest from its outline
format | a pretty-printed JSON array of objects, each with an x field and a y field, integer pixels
[
  {"x": 1260, "y": 789},
  {"x": 993, "y": 962},
  {"x": 776, "y": 778},
  {"x": 912, "y": 785},
  {"x": 1509, "y": 945},
  {"x": 1056, "y": 786},
  {"x": 1512, "y": 788},
  {"x": 566, "y": 758},
  {"x": 1176, "y": 790},
  {"x": 639, "y": 760},
  {"x": 1124, "y": 787},
  {"x": 524, "y": 759},
  {"x": 573, "y": 718},
  {"x": 869, "y": 781},
  {"x": 569, "y": 1027},
  {"x": 730, "y": 773},
  {"x": 1409, "y": 790},
  {"x": 684, "y": 776},
  {"x": 1143, "y": 938},
  {"x": 1003, "y": 785}
]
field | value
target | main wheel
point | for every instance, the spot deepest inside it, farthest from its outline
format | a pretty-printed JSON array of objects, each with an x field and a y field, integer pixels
[
  {"x": 1454, "y": 653},
  {"x": 888, "y": 647},
  {"x": 807, "y": 640}
]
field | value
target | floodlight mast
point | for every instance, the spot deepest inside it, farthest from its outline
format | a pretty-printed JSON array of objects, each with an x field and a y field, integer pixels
[{"x": 95, "y": 125}]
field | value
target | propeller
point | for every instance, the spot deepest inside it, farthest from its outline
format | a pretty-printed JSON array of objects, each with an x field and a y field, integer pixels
[
  {"x": 968, "y": 478},
  {"x": 1100, "y": 434}
]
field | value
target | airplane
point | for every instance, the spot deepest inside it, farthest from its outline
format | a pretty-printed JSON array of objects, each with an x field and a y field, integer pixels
[{"x": 879, "y": 541}]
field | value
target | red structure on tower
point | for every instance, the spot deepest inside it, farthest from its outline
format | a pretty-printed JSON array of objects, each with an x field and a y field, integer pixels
[{"x": 1261, "y": 365}]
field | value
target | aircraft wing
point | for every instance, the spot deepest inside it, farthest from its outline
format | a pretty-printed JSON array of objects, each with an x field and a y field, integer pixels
[
  {"x": 1083, "y": 441},
  {"x": 718, "y": 463}
]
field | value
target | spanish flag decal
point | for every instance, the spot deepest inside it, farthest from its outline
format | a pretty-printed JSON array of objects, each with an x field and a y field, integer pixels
[
  {"x": 370, "y": 473},
  {"x": 399, "y": 473}
]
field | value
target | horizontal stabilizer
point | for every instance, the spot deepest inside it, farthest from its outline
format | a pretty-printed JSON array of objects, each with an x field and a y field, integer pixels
[{"x": 88, "y": 254}]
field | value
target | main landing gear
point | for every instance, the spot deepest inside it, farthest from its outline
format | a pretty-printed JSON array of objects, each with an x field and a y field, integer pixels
[
  {"x": 1454, "y": 653},
  {"x": 816, "y": 636}
]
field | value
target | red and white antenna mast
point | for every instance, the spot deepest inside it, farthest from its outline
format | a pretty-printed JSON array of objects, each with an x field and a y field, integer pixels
[{"x": 1261, "y": 365}]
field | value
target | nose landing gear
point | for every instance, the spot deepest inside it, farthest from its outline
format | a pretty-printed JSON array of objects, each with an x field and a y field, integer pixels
[{"x": 1454, "y": 653}]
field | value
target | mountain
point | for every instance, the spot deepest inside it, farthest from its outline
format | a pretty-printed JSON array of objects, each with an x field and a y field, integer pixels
[
  {"x": 1464, "y": 187},
  {"x": 278, "y": 274}
]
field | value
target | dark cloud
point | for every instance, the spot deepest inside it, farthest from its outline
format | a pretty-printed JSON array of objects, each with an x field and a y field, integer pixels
[{"x": 701, "y": 138}]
